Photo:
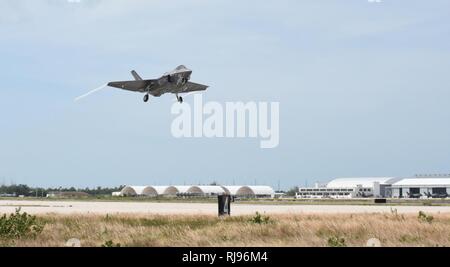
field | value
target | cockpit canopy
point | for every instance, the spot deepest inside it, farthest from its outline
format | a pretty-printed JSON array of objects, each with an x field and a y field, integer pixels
[{"x": 181, "y": 67}]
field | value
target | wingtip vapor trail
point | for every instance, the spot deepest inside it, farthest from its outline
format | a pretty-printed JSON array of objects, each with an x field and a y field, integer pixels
[{"x": 91, "y": 92}]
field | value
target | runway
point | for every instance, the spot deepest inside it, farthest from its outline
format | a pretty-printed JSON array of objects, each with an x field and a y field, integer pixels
[{"x": 100, "y": 207}]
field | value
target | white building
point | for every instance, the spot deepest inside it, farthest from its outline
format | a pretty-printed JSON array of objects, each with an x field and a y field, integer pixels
[
  {"x": 159, "y": 190},
  {"x": 134, "y": 190},
  {"x": 423, "y": 187},
  {"x": 256, "y": 191},
  {"x": 176, "y": 190},
  {"x": 249, "y": 191},
  {"x": 151, "y": 191},
  {"x": 206, "y": 190},
  {"x": 350, "y": 188}
]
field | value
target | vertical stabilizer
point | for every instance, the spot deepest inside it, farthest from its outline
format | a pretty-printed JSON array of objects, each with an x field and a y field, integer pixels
[{"x": 136, "y": 76}]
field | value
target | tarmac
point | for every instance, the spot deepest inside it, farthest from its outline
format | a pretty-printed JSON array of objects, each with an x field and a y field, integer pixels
[{"x": 104, "y": 207}]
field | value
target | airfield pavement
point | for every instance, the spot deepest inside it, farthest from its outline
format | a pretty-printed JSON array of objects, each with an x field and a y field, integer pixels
[{"x": 103, "y": 207}]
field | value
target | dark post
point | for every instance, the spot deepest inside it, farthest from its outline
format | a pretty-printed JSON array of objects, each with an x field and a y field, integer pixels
[
  {"x": 224, "y": 205},
  {"x": 380, "y": 201}
]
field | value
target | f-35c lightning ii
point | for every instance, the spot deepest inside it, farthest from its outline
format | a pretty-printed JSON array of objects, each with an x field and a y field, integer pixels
[{"x": 175, "y": 82}]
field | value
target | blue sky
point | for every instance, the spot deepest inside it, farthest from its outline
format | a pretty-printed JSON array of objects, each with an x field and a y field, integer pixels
[{"x": 363, "y": 89}]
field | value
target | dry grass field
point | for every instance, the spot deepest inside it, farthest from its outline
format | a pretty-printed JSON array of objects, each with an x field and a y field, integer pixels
[{"x": 391, "y": 229}]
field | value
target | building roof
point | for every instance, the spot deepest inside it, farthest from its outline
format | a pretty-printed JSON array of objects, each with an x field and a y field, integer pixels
[
  {"x": 255, "y": 190},
  {"x": 160, "y": 190},
  {"x": 245, "y": 190},
  {"x": 139, "y": 190},
  {"x": 206, "y": 189},
  {"x": 423, "y": 182},
  {"x": 176, "y": 189},
  {"x": 231, "y": 189},
  {"x": 131, "y": 190},
  {"x": 363, "y": 181}
]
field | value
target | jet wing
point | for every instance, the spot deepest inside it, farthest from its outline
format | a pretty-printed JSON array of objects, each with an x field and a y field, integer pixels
[
  {"x": 135, "y": 86},
  {"x": 191, "y": 87}
]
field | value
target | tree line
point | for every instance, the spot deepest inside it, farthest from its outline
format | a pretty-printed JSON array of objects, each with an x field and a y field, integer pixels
[{"x": 25, "y": 190}]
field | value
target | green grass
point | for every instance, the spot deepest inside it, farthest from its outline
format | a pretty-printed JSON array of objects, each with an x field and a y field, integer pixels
[{"x": 20, "y": 225}]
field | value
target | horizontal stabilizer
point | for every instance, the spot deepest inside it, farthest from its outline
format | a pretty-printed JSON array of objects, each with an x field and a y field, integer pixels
[{"x": 192, "y": 87}]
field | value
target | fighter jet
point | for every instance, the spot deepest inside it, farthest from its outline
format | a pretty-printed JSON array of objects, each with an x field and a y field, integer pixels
[
  {"x": 413, "y": 195},
  {"x": 175, "y": 82},
  {"x": 436, "y": 195}
]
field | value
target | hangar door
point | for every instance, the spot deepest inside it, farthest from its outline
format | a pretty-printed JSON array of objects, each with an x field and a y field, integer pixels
[
  {"x": 414, "y": 190},
  {"x": 439, "y": 190}
]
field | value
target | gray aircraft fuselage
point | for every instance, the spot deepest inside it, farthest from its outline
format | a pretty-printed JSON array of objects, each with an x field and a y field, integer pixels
[{"x": 173, "y": 81}]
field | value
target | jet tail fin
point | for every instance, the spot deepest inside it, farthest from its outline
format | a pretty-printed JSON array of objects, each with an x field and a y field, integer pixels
[{"x": 136, "y": 76}]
